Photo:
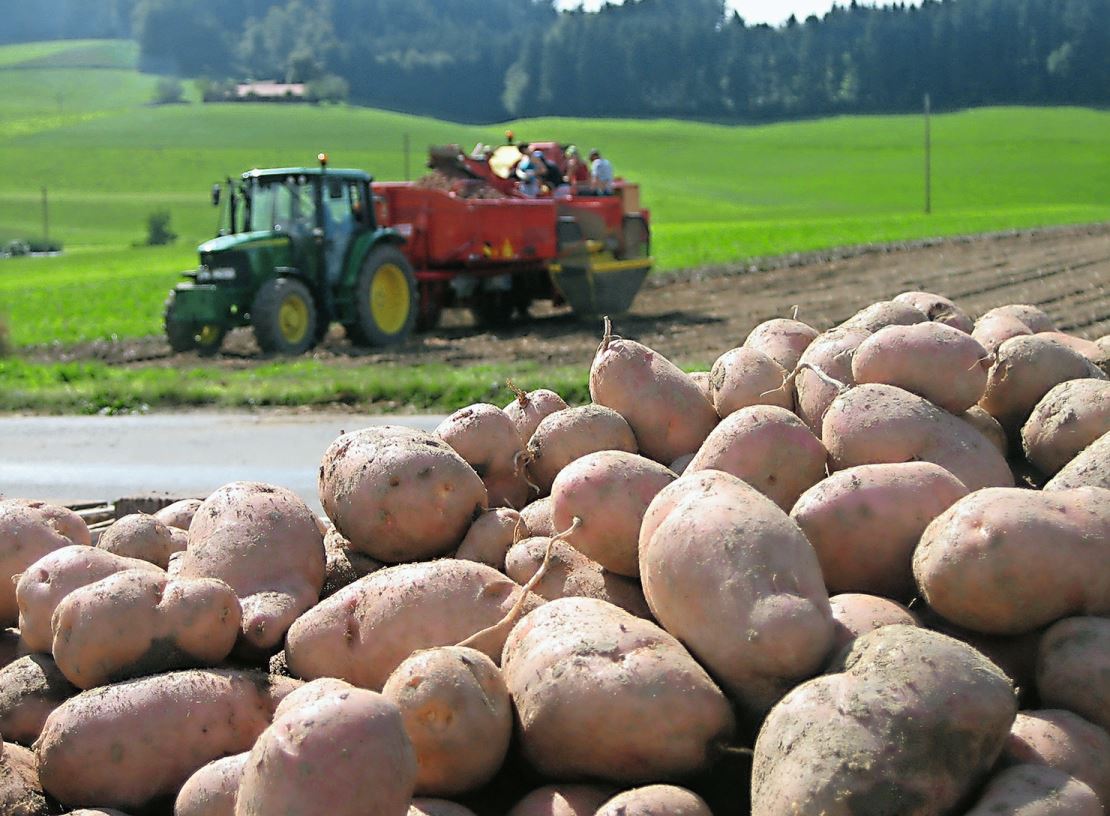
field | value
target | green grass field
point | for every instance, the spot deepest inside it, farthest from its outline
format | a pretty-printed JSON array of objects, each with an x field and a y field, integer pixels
[{"x": 78, "y": 121}]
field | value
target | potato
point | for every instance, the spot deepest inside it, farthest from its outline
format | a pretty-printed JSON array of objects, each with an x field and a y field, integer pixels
[
  {"x": 137, "y": 622},
  {"x": 28, "y": 531},
  {"x": 743, "y": 377},
  {"x": 153, "y": 733},
  {"x": 30, "y": 688},
  {"x": 20, "y": 791},
  {"x": 1068, "y": 418},
  {"x": 47, "y": 581},
  {"x": 703, "y": 381},
  {"x": 528, "y": 410},
  {"x": 938, "y": 309},
  {"x": 179, "y": 514},
  {"x": 832, "y": 353},
  {"x": 718, "y": 558},
  {"x": 489, "y": 441},
  {"x": 141, "y": 536},
  {"x": 607, "y": 493},
  {"x": 855, "y": 614},
  {"x": 992, "y": 330},
  {"x": 398, "y": 494},
  {"x": 264, "y": 543},
  {"x": 437, "y": 807},
  {"x": 490, "y": 536},
  {"x": 769, "y": 448},
  {"x": 882, "y": 314},
  {"x": 1065, "y": 741},
  {"x": 1088, "y": 348},
  {"x": 988, "y": 426},
  {"x": 656, "y": 800},
  {"x": 865, "y": 522},
  {"x": 1073, "y": 667},
  {"x": 909, "y": 723},
  {"x": 345, "y": 754},
  {"x": 983, "y": 563},
  {"x": 457, "y": 714},
  {"x": 782, "y": 340},
  {"x": 567, "y": 435},
  {"x": 211, "y": 790},
  {"x": 570, "y": 574},
  {"x": 537, "y": 517},
  {"x": 342, "y": 564},
  {"x": 665, "y": 409},
  {"x": 954, "y": 376},
  {"x": 1089, "y": 468},
  {"x": 562, "y": 800},
  {"x": 876, "y": 424},
  {"x": 363, "y": 632},
  {"x": 1032, "y": 316},
  {"x": 588, "y": 681},
  {"x": 1036, "y": 790},
  {"x": 97, "y": 812},
  {"x": 1025, "y": 370}
]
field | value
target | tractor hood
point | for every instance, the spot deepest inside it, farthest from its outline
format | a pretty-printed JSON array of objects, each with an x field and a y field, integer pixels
[{"x": 244, "y": 241}]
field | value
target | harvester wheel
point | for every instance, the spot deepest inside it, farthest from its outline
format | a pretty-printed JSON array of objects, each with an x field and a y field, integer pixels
[
  {"x": 386, "y": 302},
  {"x": 493, "y": 309},
  {"x": 284, "y": 317}
]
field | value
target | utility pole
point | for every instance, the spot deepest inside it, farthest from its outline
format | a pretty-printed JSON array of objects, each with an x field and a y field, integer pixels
[
  {"x": 928, "y": 162},
  {"x": 406, "y": 157},
  {"x": 45, "y": 218}
]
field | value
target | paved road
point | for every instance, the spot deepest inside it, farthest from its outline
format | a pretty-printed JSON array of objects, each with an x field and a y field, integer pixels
[{"x": 65, "y": 459}]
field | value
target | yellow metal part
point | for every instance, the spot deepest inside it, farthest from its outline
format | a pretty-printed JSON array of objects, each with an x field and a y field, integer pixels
[
  {"x": 610, "y": 265},
  {"x": 293, "y": 319},
  {"x": 207, "y": 334},
  {"x": 389, "y": 298}
]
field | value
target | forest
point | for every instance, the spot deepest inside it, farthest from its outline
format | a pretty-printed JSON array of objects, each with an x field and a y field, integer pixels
[{"x": 489, "y": 60}]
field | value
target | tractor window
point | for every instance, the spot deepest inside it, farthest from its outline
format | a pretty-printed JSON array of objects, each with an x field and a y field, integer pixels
[{"x": 285, "y": 204}]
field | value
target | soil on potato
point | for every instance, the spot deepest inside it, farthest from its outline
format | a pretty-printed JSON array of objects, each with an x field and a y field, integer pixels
[{"x": 693, "y": 316}]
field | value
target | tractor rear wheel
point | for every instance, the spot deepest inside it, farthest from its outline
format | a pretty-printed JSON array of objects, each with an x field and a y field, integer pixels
[
  {"x": 283, "y": 317},
  {"x": 386, "y": 302},
  {"x": 184, "y": 335}
]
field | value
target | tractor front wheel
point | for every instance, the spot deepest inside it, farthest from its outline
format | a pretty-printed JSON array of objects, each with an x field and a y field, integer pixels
[
  {"x": 283, "y": 317},
  {"x": 183, "y": 335},
  {"x": 386, "y": 302}
]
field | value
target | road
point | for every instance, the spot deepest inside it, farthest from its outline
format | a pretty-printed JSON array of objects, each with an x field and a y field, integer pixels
[{"x": 66, "y": 459}]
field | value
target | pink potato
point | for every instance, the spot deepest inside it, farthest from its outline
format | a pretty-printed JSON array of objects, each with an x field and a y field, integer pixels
[
  {"x": 136, "y": 623},
  {"x": 992, "y": 330},
  {"x": 211, "y": 790},
  {"x": 144, "y": 537},
  {"x": 942, "y": 364},
  {"x": 179, "y": 514},
  {"x": 99, "y": 812},
  {"x": 1068, "y": 418},
  {"x": 343, "y": 565},
  {"x": 487, "y": 439},
  {"x": 832, "y": 353},
  {"x": 1065, "y": 741},
  {"x": 28, "y": 531},
  {"x": 856, "y": 614},
  {"x": 154, "y": 733},
  {"x": 882, "y": 314},
  {"x": 656, "y": 800},
  {"x": 782, "y": 340},
  {"x": 1024, "y": 371},
  {"x": 363, "y": 632},
  {"x": 457, "y": 714},
  {"x": 1089, "y": 468},
  {"x": 589, "y": 680},
  {"x": 665, "y": 409},
  {"x": 703, "y": 380},
  {"x": 344, "y": 754},
  {"x": 567, "y": 435},
  {"x": 1073, "y": 667},
  {"x": 877, "y": 424},
  {"x": 1088, "y": 348},
  {"x": 988, "y": 426},
  {"x": 21, "y": 793},
  {"x": 907, "y": 722},
  {"x": 527, "y": 411},
  {"x": 742, "y": 377},
  {"x": 570, "y": 574},
  {"x": 422, "y": 806},
  {"x": 264, "y": 543},
  {"x": 973, "y": 564},
  {"x": 1032, "y": 316},
  {"x": 562, "y": 800},
  {"x": 1036, "y": 790},
  {"x": 46, "y": 582},
  {"x": 538, "y": 518},
  {"x": 937, "y": 308},
  {"x": 607, "y": 493},
  {"x": 30, "y": 688},
  {"x": 398, "y": 494},
  {"x": 718, "y": 558},
  {"x": 490, "y": 536},
  {"x": 865, "y": 522},
  {"x": 769, "y": 448}
]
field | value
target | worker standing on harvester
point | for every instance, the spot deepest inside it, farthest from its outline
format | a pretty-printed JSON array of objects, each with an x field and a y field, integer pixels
[
  {"x": 601, "y": 174},
  {"x": 528, "y": 174}
]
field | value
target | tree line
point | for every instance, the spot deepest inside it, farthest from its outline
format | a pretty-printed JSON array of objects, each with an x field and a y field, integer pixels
[{"x": 486, "y": 60}]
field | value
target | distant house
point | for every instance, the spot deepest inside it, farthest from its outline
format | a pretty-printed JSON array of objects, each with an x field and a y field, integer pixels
[{"x": 267, "y": 91}]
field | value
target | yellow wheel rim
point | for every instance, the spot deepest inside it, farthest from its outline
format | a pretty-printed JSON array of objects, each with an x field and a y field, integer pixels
[
  {"x": 293, "y": 319},
  {"x": 389, "y": 298},
  {"x": 208, "y": 334}
]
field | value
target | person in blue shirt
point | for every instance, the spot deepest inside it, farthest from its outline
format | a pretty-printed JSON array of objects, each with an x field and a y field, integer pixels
[{"x": 601, "y": 174}]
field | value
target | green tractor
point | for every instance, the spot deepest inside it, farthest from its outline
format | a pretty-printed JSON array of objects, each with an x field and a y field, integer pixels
[{"x": 297, "y": 249}]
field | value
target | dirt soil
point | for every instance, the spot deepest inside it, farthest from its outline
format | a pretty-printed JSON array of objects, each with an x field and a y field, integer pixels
[{"x": 693, "y": 316}]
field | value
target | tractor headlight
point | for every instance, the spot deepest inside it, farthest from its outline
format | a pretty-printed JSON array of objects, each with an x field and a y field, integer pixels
[{"x": 220, "y": 273}]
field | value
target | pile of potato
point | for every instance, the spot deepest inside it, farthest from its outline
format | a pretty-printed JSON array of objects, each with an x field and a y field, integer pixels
[{"x": 859, "y": 572}]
